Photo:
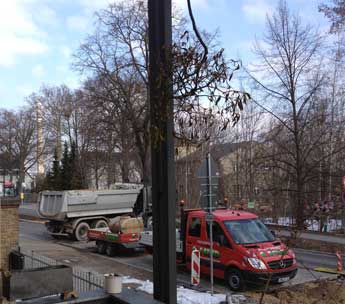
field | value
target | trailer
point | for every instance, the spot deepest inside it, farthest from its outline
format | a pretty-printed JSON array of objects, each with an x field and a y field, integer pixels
[
  {"x": 74, "y": 212},
  {"x": 109, "y": 243}
]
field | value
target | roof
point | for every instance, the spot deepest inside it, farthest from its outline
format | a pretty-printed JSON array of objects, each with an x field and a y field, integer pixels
[
  {"x": 225, "y": 214},
  {"x": 217, "y": 151}
]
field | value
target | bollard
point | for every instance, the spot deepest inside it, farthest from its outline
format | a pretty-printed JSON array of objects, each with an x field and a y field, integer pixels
[
  {"x": 339, "y": 261},
  {"x": 195, "y": 267}
]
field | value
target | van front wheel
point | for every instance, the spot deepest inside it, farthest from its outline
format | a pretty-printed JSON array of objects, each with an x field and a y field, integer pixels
[{"x": 235, "y": 279}]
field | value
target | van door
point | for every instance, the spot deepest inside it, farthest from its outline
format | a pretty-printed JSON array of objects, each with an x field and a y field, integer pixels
[
  {"x": 222, "y": 248},
  {"x": 193, "y": 234}
]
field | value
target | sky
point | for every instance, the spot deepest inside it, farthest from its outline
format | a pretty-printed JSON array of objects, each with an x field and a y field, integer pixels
[{"x": 38, "y": 37}]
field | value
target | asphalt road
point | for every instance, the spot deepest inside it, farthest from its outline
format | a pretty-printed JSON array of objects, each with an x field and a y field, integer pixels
[
  {"x": 30, "y": 211},
  {"x": 33, "y": 236}
]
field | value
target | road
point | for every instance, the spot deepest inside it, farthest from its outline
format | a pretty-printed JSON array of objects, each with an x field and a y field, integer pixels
[
  {"x": 29, "y": 211},
  {"x": 33, "y": 237}
]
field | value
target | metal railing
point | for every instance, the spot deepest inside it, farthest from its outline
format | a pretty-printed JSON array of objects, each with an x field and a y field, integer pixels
[{"x": 82, "y": 280}]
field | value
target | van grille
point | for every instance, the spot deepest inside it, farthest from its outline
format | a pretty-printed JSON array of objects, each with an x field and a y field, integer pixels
[{"x": 280, "y": 264}]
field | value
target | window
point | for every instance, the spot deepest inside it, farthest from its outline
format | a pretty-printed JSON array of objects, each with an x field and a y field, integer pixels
[
  {"x": 248, "y": 231},
  {"x": 195, "y": 226},
  {"x": 217, "y": 234}
]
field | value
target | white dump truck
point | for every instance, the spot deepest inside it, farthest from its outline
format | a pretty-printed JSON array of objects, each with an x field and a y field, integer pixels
[{"x": 73, "y": 212}]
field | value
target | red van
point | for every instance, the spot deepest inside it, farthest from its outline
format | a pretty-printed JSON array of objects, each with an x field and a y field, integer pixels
[{"x": 244, "y": 250}]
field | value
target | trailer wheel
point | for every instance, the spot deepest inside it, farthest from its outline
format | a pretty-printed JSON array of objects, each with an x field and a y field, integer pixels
[
  {"x": 110, "y": 251},
  {"x": 80, "y": 232},
  {"x": 101, "y": 224},
  {"x": 235, "y": 279},
  {"x": 101, "y": 247}
]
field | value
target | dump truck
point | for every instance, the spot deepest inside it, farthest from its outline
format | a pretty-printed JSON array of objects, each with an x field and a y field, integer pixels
[
  {"x": 74, "y": 212},
  {"x": 244, "y": 250}
]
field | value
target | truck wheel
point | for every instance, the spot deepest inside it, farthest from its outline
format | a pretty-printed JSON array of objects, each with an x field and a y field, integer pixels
[
  {"x": 235, "y": 279},
  {"x": 149, "y": 223},
  {"x": 110, "y": 250},
  {"x": 101, "y": 224},
  {"x": 101, "y": 247},
  {"x": 80, "y": 232}
]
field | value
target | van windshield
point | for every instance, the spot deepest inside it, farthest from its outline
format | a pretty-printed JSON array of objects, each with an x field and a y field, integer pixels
[{"x": 248, "y": 231}]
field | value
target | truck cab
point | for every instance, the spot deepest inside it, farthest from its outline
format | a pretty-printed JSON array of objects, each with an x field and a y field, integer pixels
[{"x": 244, "y": 250}]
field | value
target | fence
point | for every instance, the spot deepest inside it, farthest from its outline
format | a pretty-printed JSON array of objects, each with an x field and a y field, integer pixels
[{"x": 82, "y": 280}]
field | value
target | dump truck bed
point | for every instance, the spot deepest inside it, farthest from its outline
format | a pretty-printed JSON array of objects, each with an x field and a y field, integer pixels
[{"x": 61, "y": 205}]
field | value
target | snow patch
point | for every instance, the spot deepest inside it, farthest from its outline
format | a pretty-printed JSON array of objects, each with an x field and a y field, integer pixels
[
  {"x": 189, "y": 296},
  {"x": 186, "y": 295},
  {"x": 312, "y": 224}
]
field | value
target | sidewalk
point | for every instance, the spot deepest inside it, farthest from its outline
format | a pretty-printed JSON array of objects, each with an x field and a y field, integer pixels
[{"x": 313, "y": 236}]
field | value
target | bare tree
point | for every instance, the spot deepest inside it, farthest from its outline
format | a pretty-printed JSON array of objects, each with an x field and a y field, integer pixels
[
  {"x": 54, "y": 101},
  {"x": 335, "y": 13},
  {"x": 18, "y": 139},
  {"x": 117, "y": 55},
  {"x": 288, "y": 80}
]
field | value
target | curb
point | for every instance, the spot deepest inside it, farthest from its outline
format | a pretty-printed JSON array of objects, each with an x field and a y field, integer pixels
[{"x": 29, "y": 218}]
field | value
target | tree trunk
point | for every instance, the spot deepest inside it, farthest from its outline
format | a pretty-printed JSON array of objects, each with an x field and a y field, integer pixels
[
  {"x": 21, "y": 176},
  {"x": 125, "y": 155}
]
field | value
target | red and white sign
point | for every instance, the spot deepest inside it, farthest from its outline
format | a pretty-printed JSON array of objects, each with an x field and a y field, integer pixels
[
  {"x": 195, "y": 269},
  {"x": 339, "y": 261}
]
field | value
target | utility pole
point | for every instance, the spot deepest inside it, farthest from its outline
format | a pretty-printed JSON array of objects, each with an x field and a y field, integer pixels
[
  {"x": 210, "y": 212},
  {"x": 163, "y": 171}
]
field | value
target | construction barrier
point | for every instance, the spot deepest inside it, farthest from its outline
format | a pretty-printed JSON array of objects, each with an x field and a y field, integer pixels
[
  {"x": 339, "y": 261},
  {"x": 195, "y": 267},
  {"x": 339, "y": 271}
]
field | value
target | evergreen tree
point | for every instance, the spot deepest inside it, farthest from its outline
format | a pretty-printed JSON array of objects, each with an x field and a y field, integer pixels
[
  {"x": 66, "y": 172},
  {"x": 77, "y": 180},
  {"x": 53, "y": 178}
]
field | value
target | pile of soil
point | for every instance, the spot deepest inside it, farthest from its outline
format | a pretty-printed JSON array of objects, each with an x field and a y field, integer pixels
[{"x": 322, "y": 292}]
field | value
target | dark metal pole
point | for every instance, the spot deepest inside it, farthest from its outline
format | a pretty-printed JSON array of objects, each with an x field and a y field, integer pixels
[
  {"x": 210, "y": 210},
  {"x": 163, "y": 171}
]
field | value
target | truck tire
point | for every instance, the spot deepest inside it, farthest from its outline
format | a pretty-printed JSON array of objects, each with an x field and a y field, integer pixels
[
  {"x": 149, "y": 223},
  {"x": 234, "y": 279},
  {"x": 101, "y": 224},
  {"x": 101, "y": 247},
  {"x": 80, "y": 232},
  {"x": 110, "y": 250}
]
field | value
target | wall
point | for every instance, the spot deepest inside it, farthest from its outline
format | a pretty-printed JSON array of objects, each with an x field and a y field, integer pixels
[{"x": 9, "y": 229}]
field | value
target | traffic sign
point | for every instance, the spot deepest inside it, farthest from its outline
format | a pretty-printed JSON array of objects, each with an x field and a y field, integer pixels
[
  {"x": 251, "y": 205},
  {"x": 209, "y": 217},
  {"x": 203, "y": 177}
]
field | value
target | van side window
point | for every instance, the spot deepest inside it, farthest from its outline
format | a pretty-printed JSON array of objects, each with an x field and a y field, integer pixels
[{"x": 195, "y": 227}]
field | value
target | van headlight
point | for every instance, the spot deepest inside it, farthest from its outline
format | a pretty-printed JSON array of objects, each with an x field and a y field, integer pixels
[{"x": 256, "y": 263}]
